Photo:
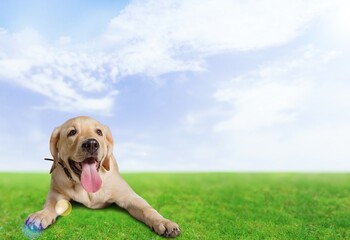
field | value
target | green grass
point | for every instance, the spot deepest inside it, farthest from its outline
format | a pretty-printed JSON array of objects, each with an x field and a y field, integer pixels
[{"x": 206, "y": 206}]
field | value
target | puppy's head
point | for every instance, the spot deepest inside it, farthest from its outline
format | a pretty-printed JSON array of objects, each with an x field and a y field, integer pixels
[{"x": 86, "y": 146}]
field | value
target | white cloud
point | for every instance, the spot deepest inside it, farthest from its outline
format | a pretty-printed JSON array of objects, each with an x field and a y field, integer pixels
[
  {"x": 209, "y": 27},
  {"x": 272, "y": 94},
  {"x": 135, "y": 156},
  {"x": 72, "y": 81},
  {"x": 26, "y": 156},
  {"x": 64, "y": 40},
  {"x": 157, "y": 37},
  {"x": 265, "y": 105},
  {"x": 318, "y": 147},
  {"x": 150, "y": 38},
  {"x": 337, "y": 24},
  {"x": 290, "y": 114}
]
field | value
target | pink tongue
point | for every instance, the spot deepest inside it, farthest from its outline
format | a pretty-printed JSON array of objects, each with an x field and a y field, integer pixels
[{"x": 89, "y": 178}]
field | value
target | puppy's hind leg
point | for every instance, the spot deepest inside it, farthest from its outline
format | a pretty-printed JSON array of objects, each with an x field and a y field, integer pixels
[{"x": 47, "y": 216}]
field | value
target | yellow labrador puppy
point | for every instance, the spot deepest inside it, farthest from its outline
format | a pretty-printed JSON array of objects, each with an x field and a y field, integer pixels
[{"x": 85, "y": 170}]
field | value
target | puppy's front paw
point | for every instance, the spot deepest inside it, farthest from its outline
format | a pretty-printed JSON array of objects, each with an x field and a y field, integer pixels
[
  {"x": 166, "y": 228},
  {"x": 40, "y": 220}
]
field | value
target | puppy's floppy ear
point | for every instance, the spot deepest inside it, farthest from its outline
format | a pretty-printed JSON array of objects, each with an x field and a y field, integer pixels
[
  {"x": 107, "y": 161},
  {"x": 55, "y": 136}
]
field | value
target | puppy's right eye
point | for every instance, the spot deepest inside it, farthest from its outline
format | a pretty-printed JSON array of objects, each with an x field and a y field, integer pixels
[{"x": 72, "y": 133}]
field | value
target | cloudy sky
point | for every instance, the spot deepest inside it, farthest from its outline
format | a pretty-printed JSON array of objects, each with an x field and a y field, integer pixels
[{"x": 184, "y": 85}]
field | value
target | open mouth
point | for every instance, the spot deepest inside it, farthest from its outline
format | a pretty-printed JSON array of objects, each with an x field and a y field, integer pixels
[
  {"x": 77, "y": 167},
  {"x": 88, "y": 173}
]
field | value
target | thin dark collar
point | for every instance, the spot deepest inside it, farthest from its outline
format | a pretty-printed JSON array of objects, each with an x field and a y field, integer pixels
[{"x": 65, "y": 169}]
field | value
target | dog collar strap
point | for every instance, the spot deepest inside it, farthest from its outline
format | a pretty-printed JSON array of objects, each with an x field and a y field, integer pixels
[{"x": 65, "y": 169}]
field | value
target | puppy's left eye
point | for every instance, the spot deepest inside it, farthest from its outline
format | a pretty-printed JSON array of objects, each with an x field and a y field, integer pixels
[
  {"x": 72, "y": 132},
  {"x": 99, "y": 132}
]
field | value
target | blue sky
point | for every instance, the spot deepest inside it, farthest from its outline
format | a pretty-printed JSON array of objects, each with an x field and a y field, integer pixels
[{"x": 183, "y": 85}]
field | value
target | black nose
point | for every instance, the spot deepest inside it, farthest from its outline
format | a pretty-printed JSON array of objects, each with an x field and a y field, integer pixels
[{"x": 90, "y": 145}]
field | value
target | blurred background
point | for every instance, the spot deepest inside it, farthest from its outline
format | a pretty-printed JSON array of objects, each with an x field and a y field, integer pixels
[{"x": 184, "y": 85}]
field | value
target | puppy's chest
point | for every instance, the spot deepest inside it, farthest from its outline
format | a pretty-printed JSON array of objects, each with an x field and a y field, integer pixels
[{"x": 90, "y": 200}]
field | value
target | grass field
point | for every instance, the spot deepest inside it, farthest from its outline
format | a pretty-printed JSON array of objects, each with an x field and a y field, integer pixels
[{"x": 206, "y": 206}]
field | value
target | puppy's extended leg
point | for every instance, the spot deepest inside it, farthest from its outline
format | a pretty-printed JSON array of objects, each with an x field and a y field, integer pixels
[
  {"x": 44, "y": 218},
  {"x": 142, "y": 211}
]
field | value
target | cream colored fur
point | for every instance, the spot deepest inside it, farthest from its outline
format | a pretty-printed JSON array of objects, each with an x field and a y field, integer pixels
[{"x": 114, "y": 189}]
